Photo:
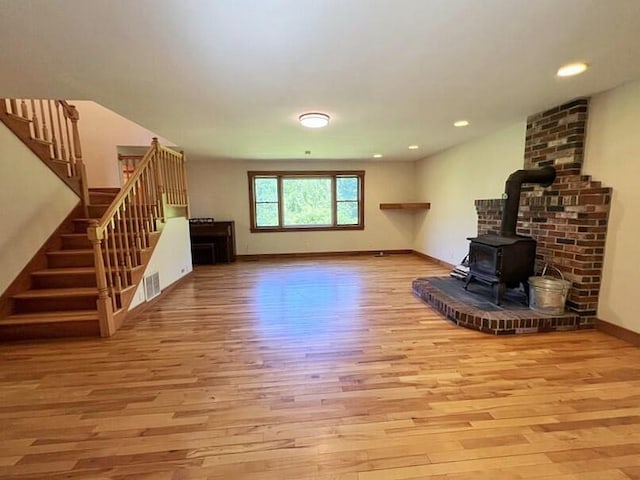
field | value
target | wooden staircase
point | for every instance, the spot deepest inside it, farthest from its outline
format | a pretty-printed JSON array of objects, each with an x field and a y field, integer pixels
[
  {"x": 83, "y": 280},
  {"x": 61, "y": 299}
]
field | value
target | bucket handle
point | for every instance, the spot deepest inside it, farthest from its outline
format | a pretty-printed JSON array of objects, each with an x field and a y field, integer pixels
[{"x": 544, "y": 270}]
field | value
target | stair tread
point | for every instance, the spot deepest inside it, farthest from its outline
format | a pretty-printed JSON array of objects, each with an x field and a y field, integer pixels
[
  {"x": 74, "y": 235},
  {"x": 72, "y": 251},
  {"x": 65, "y": 271},
  {"x": 108, "y": 190},
  {"x": 76, "y": 251},
  {"x": 48, "y": 317},
  {"x": 57, "y": 292},
  {"x": 75, "y": 270}
]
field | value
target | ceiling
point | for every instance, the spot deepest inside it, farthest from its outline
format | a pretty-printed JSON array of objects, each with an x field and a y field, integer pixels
[{"x": 227, "y": 79}]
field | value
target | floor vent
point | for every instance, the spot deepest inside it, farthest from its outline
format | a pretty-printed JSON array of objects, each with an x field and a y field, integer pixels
[{"x": 152, "y": 286}]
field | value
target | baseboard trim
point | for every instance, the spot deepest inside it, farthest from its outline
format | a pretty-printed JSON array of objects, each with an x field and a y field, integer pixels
[
  {"x": 139, "y": 309},
  {"x": 618, "y": 332},
  {"x": 273, "y": 256},
  {"x": 433, "y": 259}
]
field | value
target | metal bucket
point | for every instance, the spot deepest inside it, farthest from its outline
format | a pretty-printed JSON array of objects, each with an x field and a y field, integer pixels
[{"x": 548, "y": 294}]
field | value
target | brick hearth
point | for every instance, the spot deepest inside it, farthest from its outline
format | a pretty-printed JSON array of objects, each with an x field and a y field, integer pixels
[{"x": 446, "y": 295}]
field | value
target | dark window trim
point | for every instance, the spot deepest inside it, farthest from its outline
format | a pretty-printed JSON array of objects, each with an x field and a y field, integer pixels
[{"x": 280, "y": 174}]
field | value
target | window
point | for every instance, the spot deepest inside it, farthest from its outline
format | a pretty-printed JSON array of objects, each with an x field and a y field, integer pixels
[{"x": 295, "y": 201}]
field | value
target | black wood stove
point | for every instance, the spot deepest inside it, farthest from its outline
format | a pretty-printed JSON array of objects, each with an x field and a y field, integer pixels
[{"x": 507, "y": 260}]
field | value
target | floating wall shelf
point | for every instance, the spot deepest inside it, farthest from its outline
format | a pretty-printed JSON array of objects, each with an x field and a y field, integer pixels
[{"x": 405, "y": 206}]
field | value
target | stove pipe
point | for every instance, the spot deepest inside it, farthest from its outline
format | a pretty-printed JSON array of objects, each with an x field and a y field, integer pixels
[{"x": 544, "y": 176}]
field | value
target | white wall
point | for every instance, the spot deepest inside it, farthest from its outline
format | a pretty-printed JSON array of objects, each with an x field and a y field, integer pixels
[
  {"x": 171, "y": 257},
  {"x": 452, "y": 180},
  {"x": 33, "y": 203},
  {"x": 101, "y": 132},
  {"x": 220, "y": 190},
  {"x": 612, "y": 156}
]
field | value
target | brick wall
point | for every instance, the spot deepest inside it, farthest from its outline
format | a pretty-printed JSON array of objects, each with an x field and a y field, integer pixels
[
  {"x": 569, "y": 218},
  {"x": 556, "y": 137},
  {"x": 489, "y": 215}
]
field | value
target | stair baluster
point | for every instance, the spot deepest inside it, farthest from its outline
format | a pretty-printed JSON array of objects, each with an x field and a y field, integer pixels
[
  {"x": 45, "y": 131},
  {"x": 54, "y": 141},
  {"x": 34, "y": 121}
]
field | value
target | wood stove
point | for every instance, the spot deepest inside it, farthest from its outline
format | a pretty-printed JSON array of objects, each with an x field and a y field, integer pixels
[{"x": 507, "y": 260}]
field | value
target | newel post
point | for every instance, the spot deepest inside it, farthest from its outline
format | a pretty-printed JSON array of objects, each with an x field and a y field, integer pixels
[
  {"x": 185, "y": 185},
  {"x": 104, "y": 305},
  {"x": 158, "y": 166},
  {"x": 79, "y": 166}
]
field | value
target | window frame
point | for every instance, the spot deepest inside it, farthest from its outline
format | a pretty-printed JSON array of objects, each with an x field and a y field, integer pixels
[{"x": 283, "y": 174}]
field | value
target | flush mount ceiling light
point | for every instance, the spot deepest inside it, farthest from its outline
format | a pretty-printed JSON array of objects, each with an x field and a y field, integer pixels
[
  {"x": 377, "y": 155},
  {"x": 314, "y": 120},
  {"x": 461, "y": 123},
  {"x": 413, "y": 147},
  {"x": 572, "y": 69}
]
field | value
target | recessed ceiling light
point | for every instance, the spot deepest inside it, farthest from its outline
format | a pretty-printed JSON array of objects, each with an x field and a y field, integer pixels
[
  {"x": 377, "y": 155},
  {"x": 314, "y": 120},
  {"x": 461, "y": 123},
  {"x": 572, "y": 69},
  {"x": 413, "y": 147}
]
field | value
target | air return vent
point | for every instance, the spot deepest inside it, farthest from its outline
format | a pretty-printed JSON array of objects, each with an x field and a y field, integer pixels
[{"x": 152, "y": 286}]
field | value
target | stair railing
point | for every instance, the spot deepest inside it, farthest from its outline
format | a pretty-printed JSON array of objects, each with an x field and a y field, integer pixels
[
  {"x": 122, "y": 235},
  {"x": 54, "y": 123}
]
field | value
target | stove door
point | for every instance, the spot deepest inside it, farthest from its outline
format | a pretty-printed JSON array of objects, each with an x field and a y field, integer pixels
[{"x": 485, "y": 259}]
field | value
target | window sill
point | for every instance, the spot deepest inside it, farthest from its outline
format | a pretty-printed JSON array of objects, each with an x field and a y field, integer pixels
[{"x": 306, "y": 229}]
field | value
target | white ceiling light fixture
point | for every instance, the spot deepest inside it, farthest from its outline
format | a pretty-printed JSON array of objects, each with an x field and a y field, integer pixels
[
  {"x": 461, "y": 123},
  {"x": 572, "y": 69},
  {"x": 414, "y": 147},
  {"x": 314, "y": 120},
  {"x": 377, "y": 155}
]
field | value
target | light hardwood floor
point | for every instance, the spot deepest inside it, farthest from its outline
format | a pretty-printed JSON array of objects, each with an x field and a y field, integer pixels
[{"x": 317, "y": 369}]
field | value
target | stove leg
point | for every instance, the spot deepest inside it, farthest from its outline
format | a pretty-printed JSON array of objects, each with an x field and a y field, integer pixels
[
  {"x": 525, "y": 287},
  {"x": 498, "y": 291},
  {"x": 468, "y": 280}
]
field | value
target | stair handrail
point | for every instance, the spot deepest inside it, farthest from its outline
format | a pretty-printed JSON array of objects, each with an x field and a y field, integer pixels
[{"x": 123, "y": 232}]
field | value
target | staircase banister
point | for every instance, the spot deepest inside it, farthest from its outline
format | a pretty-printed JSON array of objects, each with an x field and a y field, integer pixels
[
  {"x": 126, "y": 189},
  {"x": 49, "y": 128}
]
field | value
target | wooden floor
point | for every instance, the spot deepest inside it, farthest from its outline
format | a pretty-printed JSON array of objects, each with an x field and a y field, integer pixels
[{"x": 317, "y": 369}]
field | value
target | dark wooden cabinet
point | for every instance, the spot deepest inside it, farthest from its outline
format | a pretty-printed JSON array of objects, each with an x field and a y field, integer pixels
[{"x": 212, "y": 242}]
